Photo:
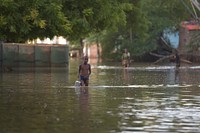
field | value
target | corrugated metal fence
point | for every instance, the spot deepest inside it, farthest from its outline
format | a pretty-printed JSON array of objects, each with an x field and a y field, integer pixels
[{"x": 15, "y": 55}]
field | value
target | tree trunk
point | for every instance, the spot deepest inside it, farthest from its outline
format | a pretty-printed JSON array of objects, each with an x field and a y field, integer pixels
[
  {"x": 81, "y": 49},
  {"x": 1, "y": 54},
  {"x": 131, "y": 35},
  {"x": 98, "y": 48}
]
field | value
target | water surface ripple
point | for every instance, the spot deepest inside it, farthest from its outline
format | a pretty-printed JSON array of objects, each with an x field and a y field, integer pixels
[{"x": 139, "y": 99}]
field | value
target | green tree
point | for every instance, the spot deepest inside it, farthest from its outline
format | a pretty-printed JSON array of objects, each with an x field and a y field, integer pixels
[
  {"x": 163, "y": 16},
  {"x": 91, "y": 16},
  {"x": 21, "y": 20},
  {"x": 146, "y": 23},
  {"x": 131, "y": 35}
]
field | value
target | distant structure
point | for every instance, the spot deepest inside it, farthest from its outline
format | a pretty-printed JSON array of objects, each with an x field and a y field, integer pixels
[
  {"x": 29, "y": 55},
  {"x": 189, "y": 46},
  {"x": 56, "y": 40},
  {"x": 189, "y": 34}
]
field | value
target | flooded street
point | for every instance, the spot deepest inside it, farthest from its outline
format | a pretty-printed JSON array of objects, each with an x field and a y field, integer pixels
[{"x": 142, "y": 98}]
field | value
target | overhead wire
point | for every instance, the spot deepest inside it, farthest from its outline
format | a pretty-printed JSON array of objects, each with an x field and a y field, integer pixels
[
  {"x": 188, "y": 9},
  {"x": 192, "y": 4},
  {"x": 196, "y": 4}
]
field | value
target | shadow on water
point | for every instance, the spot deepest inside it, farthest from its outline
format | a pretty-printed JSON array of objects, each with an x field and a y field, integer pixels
[{"x": 141, "y": 98}]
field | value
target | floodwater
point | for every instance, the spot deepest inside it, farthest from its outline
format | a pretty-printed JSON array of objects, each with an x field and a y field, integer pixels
[{"x": 140, "y": 99}]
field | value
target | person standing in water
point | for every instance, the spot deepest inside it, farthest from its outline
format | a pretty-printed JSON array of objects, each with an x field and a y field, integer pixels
[
  {"x": 84, "y": 72},
  {"x": 126, "y": 58}
]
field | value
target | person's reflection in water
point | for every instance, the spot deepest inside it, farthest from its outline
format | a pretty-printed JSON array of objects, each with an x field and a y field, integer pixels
[
  {"x": 83, "y": 94},
  {"x": 84, "y": 99},
  {"x": 126, "y": 76}
]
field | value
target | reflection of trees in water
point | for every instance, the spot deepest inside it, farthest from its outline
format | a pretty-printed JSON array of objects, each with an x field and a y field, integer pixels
[
  {"x": 177, "y": 76},
  {"x": 173, "y": 77},
  {"x": 95, "y": 61},
  {"x": 183, "y": 76},
  {"x": 189, "y": 76}
]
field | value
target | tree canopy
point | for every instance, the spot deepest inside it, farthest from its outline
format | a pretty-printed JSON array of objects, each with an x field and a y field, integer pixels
[
  {"x": 135, "y": 24},
  {"x": 28, "y": 19},
  {"x": 21, "y": 20},
  {"x": 146, "y": 23}
]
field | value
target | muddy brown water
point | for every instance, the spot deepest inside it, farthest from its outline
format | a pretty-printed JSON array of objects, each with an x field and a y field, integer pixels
[{"x": 141, "y": 98}]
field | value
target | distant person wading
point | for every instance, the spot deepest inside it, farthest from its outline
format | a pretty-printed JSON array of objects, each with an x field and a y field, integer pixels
[{"x": 126, "y": 58}]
